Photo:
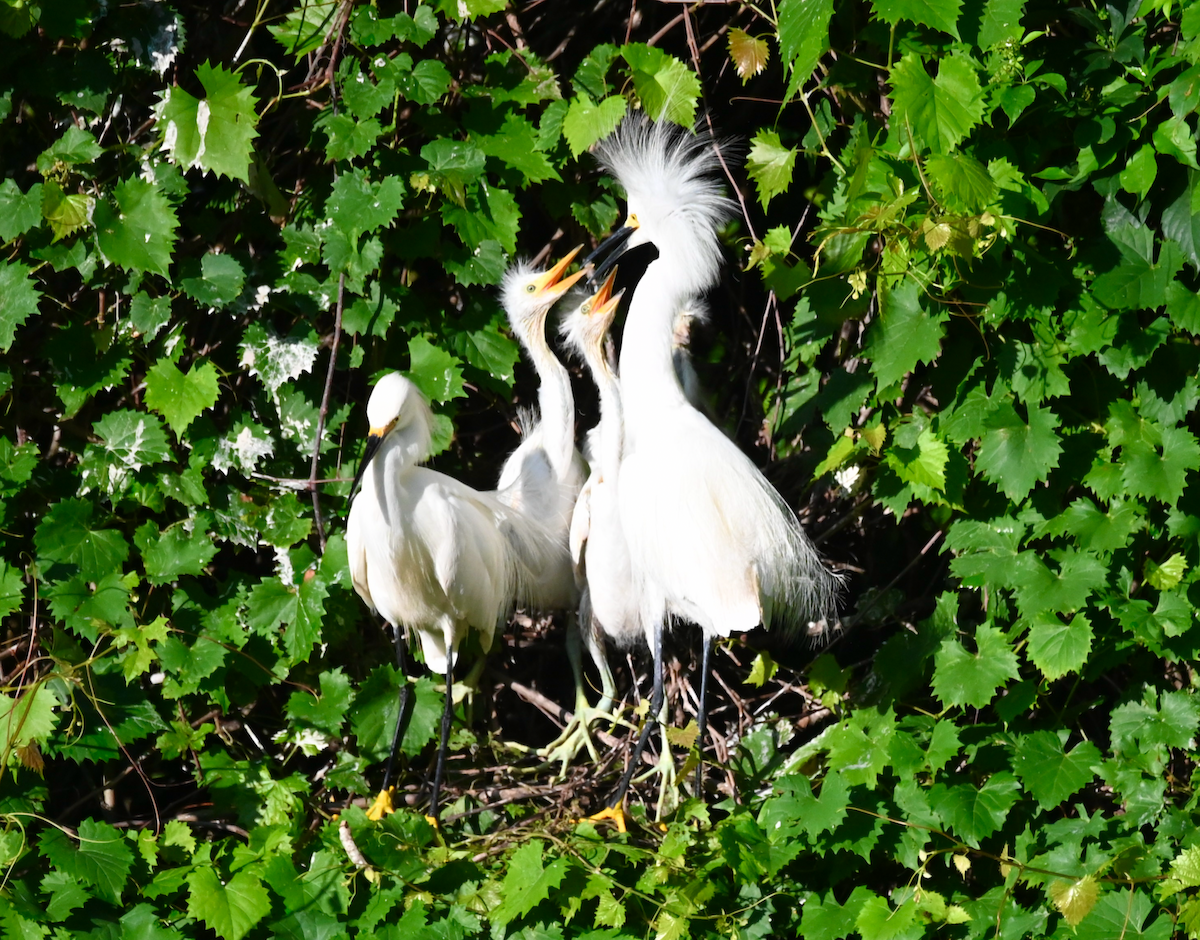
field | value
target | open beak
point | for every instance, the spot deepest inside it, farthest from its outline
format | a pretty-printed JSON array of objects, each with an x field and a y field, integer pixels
[
  {"x": 603, "y": 295},
  {"x": 553, "y": 282},
  {"x": 608, "y": 309},
  {"x": 374, "y": 439}
]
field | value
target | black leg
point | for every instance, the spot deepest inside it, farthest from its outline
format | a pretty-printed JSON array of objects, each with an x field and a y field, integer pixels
[
  {"x": 656, "y": 704},
  {"x": 403, "y": 712},
  {"x": 702, "y": 714},
  {"x": 447, "y": 717}
]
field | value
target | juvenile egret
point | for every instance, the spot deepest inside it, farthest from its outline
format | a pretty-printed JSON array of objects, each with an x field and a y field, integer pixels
[
  {"x": 431, "y": 554},
  {"x": 710, "y": 540},
  {"x": 607, "y": 605},
  {"x": 542, "y": 477}
]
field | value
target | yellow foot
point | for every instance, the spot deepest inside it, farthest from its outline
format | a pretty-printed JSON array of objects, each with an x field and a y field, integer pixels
[
  {"x": 432, "y": 820},
  {"x": 615, "y": 813},
  {"x": 382, "y": 805}
]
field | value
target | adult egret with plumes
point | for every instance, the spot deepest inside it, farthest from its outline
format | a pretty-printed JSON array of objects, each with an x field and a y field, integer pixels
[
  {"x": 710, "y": 540},
  {"x": 430, "y": 554}
]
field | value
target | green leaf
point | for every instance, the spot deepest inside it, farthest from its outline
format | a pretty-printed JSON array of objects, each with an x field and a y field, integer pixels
[
  {"x": 1050, "y": 774},
  {"x": 358, "y": 206},
  {"x": 942, "y": 110},
  {"x": 1140, "y": 172},
  {"x": 19, "y": 212},
  {"x": 1058, "y": 648},
  {"x": 770, "y": 165},
  {"x": 517, "y": 145},
  {"x": 65, "y": 535},
  {"x": 139, "y": 233},
  {"x": 974, "y": 814},
  {"x": 18, "y": 300},
  {"x": 182, "y": 549},
  {"x": 668, "y": 89},
  {"x": 1015, "y": 454},
  {"x": 877, "y": 921},
  {"x": 102, "y": 859},
  {"x": 12, "y": 589},
  {"x": 527, "y": 882},
  {"x": 305, "y": 28},
  {"x": 213, "y": 133},
  {"x": 803, "y": 35},
  {"x": 587, "y": 122},
  {"x": 373, "y": 714},
  {"x": 436, "y": 373},
  {"x": 74, "y": 147},
  {"x": 923, "y": 464},
  {"x": 328, "y": 711},
  {"x": 1138, "y": 281},
  {"x": 962, "y": 181},
  {"x": 938, "y": 14},
  {"x": 904, "y": 335},
  {"x": 298, "y": 607},
  {"x": 971, "y": 679},
  {"x": 215, "y": 281},
  {"x": 229, "y": 909},
  {"x": 181, "y": 397}
]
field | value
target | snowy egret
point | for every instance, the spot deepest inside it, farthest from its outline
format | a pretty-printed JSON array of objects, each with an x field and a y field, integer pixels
[
  {"x": 542, "y": 477},
  {"x": 710, "y": 540},
  {"x": 431, "y": 554},
  {"x": 607, "y": 606}
]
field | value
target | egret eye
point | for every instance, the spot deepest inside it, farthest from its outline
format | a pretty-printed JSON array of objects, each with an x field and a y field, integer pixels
[
  {"x": 587, "y": 307},
  {"x": 530, "y": 288}
]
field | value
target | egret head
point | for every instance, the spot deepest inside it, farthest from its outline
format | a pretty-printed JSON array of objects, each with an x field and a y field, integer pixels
[
  {"x": 674, "y": 197},
  {"x": 588, "y": 324},
  {"x": 527, "y": 293},
  {"x": 396, "y": 404}
]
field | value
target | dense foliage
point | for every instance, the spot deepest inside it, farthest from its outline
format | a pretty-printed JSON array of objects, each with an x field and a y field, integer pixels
[{"x": 965, "y": 335}]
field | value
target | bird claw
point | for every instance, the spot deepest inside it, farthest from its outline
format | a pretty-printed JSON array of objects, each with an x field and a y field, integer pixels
[
  {"x": 668, "y": 795},
  {"x": 615, "y": 813},
  {"x": 575, "y": 737}
]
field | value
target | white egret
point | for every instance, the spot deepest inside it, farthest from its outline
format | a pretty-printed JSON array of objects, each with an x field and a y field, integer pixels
[
  {"x": 542, "y": 477},
  {"x": 710, "y": 540},
  {"x": 607, "y": 606},
  {"x": 427, "y": 552}
]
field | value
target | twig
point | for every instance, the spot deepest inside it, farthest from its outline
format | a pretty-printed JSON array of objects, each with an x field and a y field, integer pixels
[{"x": 321, "y": 416}]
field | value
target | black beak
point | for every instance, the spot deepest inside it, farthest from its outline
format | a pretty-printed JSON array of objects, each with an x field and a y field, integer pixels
[
  {"x": 614, "y": 243},
  {"x": 373, "y": 442}
]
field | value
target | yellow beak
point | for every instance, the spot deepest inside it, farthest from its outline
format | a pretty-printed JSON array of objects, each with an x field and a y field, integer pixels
[
  {"x": 603, "y": 295},
  {"x": 553, "y": 282}
]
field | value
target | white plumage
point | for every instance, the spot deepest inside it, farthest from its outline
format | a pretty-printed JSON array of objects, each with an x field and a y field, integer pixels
[{"x": 710, "y": 540}]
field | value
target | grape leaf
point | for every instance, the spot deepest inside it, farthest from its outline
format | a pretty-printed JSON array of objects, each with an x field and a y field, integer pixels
[
  {"x": 770, "y": 165},
  {"x": 749, "y": 54},
  {"x": 19, "y": 212},
  {"x": 435, "y": 372},
  {"x": 803, "y": 35},
  {"x": 1047, "y": 772},
  {"x": 139, "y": 232},
  {"x": 215, "y": 281},
  {"x": 181, "y": 397},
  {"x": 65, "y": 535},
  {"x": 942, "y": 110},
  {"x": 527, "y": 882},
  {"x": 974, "y": 814},
  {"x": 328, "y": 711},
  {"x": 586, "y": 122},
  {"x": 213, "y": 133},
  {"x": 102, "y": 859},
  {"x": 971, "y": 679},
  {"x": 181, "y": 549},
  {"x": 1057, "y": 648},
  {"x": 18, "y": 300},
  {"x": 667, "y": 88},
  {"x": 939, "y": 14},
  {"x": 904, "y": 334},
  {"x": 229, "y": 909},
  {"x": 1015, "y": 454}
]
